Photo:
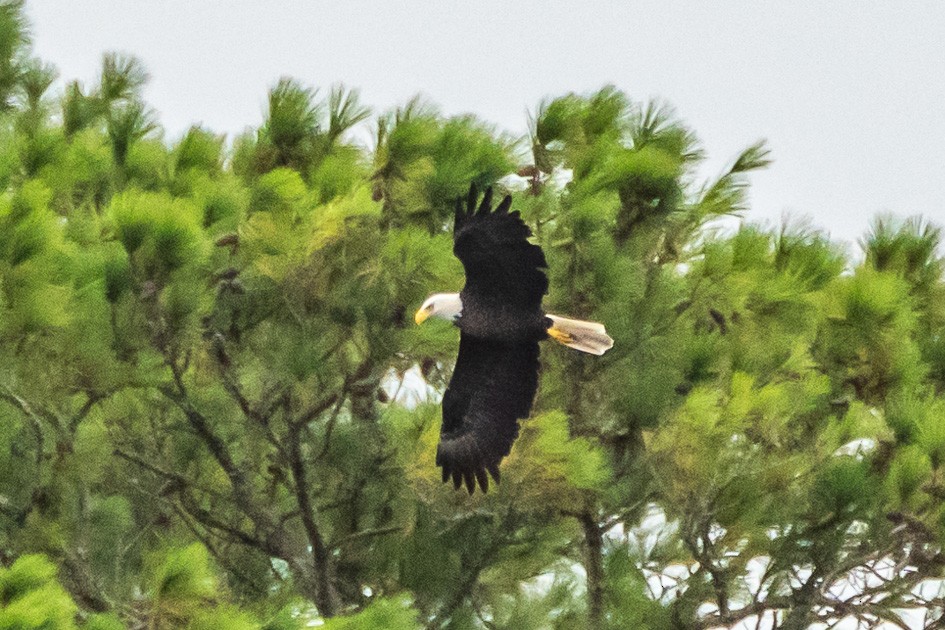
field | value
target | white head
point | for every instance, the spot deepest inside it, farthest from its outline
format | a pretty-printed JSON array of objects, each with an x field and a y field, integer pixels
[{"x": 443, "y": 305}]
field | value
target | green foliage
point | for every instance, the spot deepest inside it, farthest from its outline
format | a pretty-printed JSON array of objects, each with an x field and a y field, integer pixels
[
  {"x": 344, "y": 112},
  {"x": 199, "y": 150},
  {"x": 14, "y": 38},
  {"x": 555, "y": 459},
  {"x": 278, "y": 192},
  {"x": 127, "y": 124},
  {"x": 122, "y": 78},
  {"x": 159, "y": 233},
  {"x": 35, "y": 79},
  {"x": 394, "y": 614},
  {"x": 293, "y": 121},
  {"x": 215, "y": 411},
  {"x": 31, "y": 598},
  {"x": 627, "y": 594},
  {"x": 183, "y": 586},
  {"x": 103, "y": 622},
  {"x": 79, "y": 110}
]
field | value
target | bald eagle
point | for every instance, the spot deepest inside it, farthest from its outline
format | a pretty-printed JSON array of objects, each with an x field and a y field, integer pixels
[{"x": 501, "y": 321}]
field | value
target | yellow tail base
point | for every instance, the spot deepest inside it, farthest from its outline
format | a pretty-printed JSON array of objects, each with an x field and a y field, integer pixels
[
  {"x": 560, "y": 336},
  {"x": 589, "y": 337}
]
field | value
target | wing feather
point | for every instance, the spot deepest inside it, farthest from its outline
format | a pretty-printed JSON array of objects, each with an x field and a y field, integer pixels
[
  {"x": 501, "y": 265},
  {"x": 492, "y": 388}
]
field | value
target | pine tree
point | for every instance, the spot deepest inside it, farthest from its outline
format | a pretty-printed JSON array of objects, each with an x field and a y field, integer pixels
[{"x": 216, "y": 412}]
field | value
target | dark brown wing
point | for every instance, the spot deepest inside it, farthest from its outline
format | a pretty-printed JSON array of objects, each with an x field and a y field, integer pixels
[
  {"x": 501, "y": 265},
  {"x": 493, "y": 386}
]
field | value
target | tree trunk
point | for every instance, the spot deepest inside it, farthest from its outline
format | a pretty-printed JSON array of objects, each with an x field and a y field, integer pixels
[
  {"x": 317, "y": 588},
  {"x": 594, "y": 567},
  {"x": 363, "y": 398}
]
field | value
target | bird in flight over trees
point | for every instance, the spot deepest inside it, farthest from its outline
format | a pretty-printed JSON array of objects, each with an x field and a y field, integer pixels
[{"x": 501, "y": 321}]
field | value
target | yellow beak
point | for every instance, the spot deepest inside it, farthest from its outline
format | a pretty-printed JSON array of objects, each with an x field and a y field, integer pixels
[{"x": 421, "y": 316}]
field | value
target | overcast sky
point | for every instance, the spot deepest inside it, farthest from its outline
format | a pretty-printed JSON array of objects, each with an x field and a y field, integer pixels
[{"x": 849, "y": 94}]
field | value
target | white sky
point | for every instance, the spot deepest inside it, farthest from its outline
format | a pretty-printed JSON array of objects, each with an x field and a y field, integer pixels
[{"x": 849, "y": 93}]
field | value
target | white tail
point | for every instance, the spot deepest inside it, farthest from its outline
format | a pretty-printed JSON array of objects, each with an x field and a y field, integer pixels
[{"x": 587, "y": 337}]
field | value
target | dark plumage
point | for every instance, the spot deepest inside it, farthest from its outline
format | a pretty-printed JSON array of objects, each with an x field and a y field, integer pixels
[
  {"x": 496, "y": 374},
  {"x": 500, "y": 316}
]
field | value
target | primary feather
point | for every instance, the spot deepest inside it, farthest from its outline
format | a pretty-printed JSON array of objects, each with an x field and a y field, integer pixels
[
  {"x": 499, "y": 313},
  {"x": 496, "y": 374},
  {"x": 501, "y": 266},
  {"x": 492, "y": 387}
]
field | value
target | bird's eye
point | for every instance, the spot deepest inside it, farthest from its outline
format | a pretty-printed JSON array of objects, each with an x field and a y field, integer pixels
[{"x": 430, "y": 307}]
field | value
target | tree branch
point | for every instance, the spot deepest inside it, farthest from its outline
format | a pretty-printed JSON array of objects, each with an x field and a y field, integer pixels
[
  {"x": 594, "y": 567},
  {"x": 328, "y": 600},
  {"x": 80, "y": 415},
  {"x": 367, "y": 533},
  {"x": 134, "y": 459},
  {"x": 242, "y": 491},
  {"x": 32, "y": 420},
  {"x": 733, "y": 617},
  {"x": 221, "y": 557},
  {"x": 199, "y": 514}
]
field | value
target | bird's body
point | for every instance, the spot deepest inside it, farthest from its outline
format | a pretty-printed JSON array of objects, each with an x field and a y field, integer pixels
[
  {"x": 486, "y": 319},
  {"x": 501, "y": 320}
]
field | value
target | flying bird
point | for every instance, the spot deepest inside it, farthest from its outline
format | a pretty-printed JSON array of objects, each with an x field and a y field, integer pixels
[{"x": 501, "y": 321}]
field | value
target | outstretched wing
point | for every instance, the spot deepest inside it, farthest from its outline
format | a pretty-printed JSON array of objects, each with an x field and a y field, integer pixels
[
  {"x": 501, "y": 265},
  {"x": 492, "y": 387}
]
